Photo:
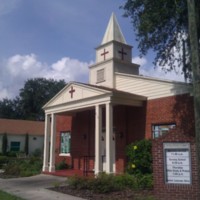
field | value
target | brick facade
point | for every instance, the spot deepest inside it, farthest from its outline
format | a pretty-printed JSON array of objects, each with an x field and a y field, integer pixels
[
  {"x": 63, "y": 124},
  {"x": 174, "y": 109},
  {"x": 165, "y": 191},
  {"x": 131, "y": 124}
]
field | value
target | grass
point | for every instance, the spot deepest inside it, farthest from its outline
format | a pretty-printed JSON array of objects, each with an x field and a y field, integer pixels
[{"x": 6, "y": 196}]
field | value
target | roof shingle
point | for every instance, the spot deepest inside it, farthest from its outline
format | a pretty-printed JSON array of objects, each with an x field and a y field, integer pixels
[{"x": 12, "y": 126}]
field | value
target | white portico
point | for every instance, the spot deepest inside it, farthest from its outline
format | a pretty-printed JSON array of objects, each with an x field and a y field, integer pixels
[
  {"x": 76, "y": 97},
  {"x": 99, "y": 96}
]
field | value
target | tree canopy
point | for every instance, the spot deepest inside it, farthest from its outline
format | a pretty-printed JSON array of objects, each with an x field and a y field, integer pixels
[
  {"x": 28, "y": 105},
  {"x": 162, "y": 26}
]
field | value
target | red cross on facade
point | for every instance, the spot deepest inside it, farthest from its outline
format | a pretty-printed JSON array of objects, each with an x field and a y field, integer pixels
[
  {"x": 122, "y": 53},
  {"x": 104, "y": 53},
  {"x": 72, "y": 91}
]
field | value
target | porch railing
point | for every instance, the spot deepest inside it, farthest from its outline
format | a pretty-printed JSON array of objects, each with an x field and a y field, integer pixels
[{"x": 88, "y": 165}]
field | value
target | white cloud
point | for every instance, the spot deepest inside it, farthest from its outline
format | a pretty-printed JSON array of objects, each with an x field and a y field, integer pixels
[
  {"x": 140, "y": 61},
  {"x": 17, "y": 69},
  {"x": 148, "y": 69}
]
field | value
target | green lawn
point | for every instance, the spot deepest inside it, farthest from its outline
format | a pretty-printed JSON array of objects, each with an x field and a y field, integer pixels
[{"x": 6, "y": 196}]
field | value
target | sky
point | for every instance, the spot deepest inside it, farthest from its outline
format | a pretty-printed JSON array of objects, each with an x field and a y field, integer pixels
[{"x": 57, "y": 39}]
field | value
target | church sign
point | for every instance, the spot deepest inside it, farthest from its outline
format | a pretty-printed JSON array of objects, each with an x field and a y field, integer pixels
[{"x": 177, "y": 163}]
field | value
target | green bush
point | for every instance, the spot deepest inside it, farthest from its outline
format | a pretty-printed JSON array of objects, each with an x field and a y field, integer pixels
[
  {"x": 37, "y": 153},
  {"x": 12, "y": 169},
  {"x": 11, "y": 154},
  {"x": 144, "y": 181},
  {"x": 127, "y": 181},
  {"x": 23, "y": 167},
  {"x": 76, "y": 182},
  {"x": 139, "y": 157},
  {"x": 105, "y": 183},
  {"x": 62, "y": 165},
  {"x": 3, "y": 161}
]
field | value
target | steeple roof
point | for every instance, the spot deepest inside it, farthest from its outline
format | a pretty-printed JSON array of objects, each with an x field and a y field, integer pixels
[{"x": 113, "y": 31}]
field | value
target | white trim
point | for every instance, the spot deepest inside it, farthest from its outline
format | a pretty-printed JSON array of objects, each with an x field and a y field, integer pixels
[{"x": 65, "y": 154}]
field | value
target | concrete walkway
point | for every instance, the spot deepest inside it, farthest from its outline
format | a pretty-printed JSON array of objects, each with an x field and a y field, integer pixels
[{"x": 35, "y": 188}]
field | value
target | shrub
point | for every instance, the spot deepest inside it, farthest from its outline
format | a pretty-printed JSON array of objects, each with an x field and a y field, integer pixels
[
  {"x": 37, "y": 153},
  {"x": 105, "y": 183},
  {"x": 3, "y": 160},
  {"x": 139, "y": 157},
  {"x": 26, "y": 148},
  {"x": 11, "y": 154},
  {"x": 12, "y": 169},
  {"x": 76, "y": 182},
  {"x": 127, "y": 181},
  {"x": 62, "y": 165},
  {"x": 23, "y": 167},
  {"x": 4, "y": 144},
  {"x": 144, "y": 181}
]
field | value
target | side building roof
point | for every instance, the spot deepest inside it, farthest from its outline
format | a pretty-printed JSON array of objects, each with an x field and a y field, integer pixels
[{"x": 20, "y": 127}]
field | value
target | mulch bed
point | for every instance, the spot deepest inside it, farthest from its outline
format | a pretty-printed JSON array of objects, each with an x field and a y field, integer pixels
[
  {"x": 119, "y": 195},
  {"x": 90, "y": 195}
]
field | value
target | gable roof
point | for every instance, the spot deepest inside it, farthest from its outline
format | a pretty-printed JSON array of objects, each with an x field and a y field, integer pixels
[
  {"x": 151, "y": 87},
  {"x": 20, "y": 127},
  {"x": 87, "y": 95}
]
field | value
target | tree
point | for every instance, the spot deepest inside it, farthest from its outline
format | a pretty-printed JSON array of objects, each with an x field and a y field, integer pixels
[
  {"x": 162, "y": 26},
  {"x": 4, "y": 144},
  {"x": 35, "y": 94},
  {"x": 193, "y": 20},
  {"x": 10, "y": 108},
  {"x": 28, "y": 105},
  {"x": 26, "y": 147}
]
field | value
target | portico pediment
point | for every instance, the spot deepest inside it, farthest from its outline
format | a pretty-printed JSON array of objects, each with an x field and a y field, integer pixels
[{"x": 73, "y": 92}]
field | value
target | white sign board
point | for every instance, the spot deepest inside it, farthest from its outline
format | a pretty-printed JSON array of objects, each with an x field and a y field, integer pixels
[{"x": 177, "y": 163}]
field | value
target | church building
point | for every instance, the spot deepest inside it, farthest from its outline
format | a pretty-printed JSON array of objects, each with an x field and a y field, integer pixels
[{"x": 90, "y": 125}]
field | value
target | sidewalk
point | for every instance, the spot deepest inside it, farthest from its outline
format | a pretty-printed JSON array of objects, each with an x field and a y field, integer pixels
[{"x": 35, "y": 187}]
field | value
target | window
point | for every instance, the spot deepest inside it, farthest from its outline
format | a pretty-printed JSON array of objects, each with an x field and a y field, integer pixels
[
  {"x": 161, "y": 129},
  {"x": 100, "y": 75},
  {"x": 15, "y": 146},
  {"x": 65, "y": 142}
]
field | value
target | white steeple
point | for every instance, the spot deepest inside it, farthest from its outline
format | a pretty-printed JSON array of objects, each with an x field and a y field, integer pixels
[
  {"x": 113, "y": 56},
  {"x": 113, "y": 32}
]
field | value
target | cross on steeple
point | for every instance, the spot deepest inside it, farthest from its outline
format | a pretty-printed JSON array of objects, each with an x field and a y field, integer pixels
[
  {"x": 72, "y": 91},
  {"x": 122, "y": 53},
  {"x": 104, "y": 53}
]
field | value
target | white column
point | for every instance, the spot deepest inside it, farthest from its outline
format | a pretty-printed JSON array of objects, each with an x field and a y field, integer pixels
[
  {"x": 110, "y": 142},
  {"x": 52, "y": 143},
  {"x": 98, "y": 132},
  {"x": 46, "y": 144}
]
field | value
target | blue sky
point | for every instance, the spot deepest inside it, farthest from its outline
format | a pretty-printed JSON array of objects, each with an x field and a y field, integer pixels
[{"x": 57, "y": 39}]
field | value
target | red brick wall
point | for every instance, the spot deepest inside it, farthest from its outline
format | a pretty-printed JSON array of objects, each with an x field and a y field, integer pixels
[
  {"x": 63, "y": 123},
  {"x": 131, "y": 123},
  {"x": 175, "y": 109},
  {"x": 82, "y": 141},
  {"x": 130, "y": 126},
  {"x": 174, "y": 191}
]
